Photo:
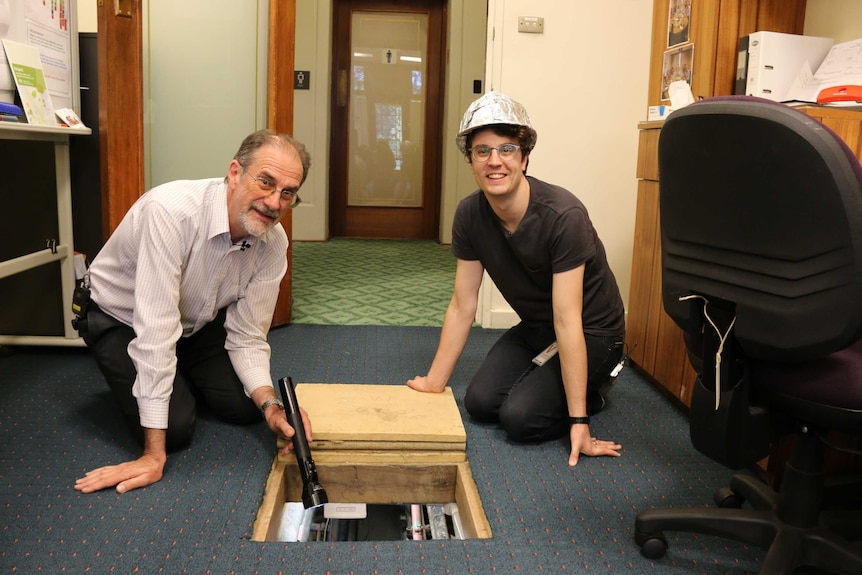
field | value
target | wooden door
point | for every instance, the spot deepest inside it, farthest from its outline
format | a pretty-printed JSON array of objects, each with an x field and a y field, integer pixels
[{"x": 387, "y": 106}]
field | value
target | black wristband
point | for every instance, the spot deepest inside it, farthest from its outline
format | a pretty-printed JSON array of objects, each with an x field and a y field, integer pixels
[{"x": 579, "y": 420}]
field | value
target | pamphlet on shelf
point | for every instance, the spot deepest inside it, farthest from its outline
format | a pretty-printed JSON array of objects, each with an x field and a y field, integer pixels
[
  {"x": 70, "y": 119},
  {"x": 29, "y": 77}
]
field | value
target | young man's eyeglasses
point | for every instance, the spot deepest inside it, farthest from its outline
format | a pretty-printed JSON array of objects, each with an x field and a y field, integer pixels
[
  {"x": 268, "y": 186},
  {"x": 482, "y": 153}
]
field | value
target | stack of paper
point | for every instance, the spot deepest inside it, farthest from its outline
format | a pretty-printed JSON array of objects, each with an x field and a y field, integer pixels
[{"x": 839, "y": 77}]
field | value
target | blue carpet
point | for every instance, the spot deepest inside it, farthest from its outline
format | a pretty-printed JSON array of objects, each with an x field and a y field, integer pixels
[{"x": 58, "y": 421}]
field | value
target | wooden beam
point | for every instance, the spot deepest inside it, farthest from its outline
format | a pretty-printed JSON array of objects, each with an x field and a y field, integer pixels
[
  {"x": 282, "y": 38},
  {"x": 121, "y": 110}
]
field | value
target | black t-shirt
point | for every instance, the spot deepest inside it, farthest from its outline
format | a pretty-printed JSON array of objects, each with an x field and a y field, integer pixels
[{"x": 555, "y": 235}]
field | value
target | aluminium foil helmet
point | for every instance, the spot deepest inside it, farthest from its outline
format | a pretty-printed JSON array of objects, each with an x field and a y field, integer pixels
[{"x": 493, "y": 108}]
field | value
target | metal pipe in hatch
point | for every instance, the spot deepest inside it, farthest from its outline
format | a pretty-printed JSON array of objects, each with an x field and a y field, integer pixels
[{"x": 313, "y": 494}]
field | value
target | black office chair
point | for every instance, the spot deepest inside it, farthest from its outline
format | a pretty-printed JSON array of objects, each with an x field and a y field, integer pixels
[{"x": 761, "y": 220}]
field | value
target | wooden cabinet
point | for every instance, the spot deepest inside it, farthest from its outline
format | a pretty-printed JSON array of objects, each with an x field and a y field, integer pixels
[
  {"x": 715, "y": 26},
  {"x": 655, "y": 341},
  {"x": 847, "y": 124}
]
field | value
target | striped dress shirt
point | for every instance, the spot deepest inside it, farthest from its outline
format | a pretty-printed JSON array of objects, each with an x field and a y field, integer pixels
[{"x": 167, "y": 270}]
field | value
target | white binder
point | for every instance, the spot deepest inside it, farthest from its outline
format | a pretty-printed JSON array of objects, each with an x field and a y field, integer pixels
[{"x": 768, "y": 62}]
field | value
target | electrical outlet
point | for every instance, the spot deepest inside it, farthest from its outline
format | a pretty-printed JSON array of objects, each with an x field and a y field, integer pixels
[{"x": 531, "y": 24}]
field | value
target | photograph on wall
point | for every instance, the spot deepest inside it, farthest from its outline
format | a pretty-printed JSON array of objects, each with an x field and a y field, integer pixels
[
  {"x": 676, "y": 65},
  {"x": 679, "y": 22}
]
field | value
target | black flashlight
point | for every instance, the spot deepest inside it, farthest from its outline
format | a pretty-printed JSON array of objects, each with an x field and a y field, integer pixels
[{"x": 312, "y": 493}]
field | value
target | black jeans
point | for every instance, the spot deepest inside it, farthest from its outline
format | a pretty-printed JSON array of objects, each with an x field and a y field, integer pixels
[
  {"x": 204, "y": 372},
  {"x": 530, "y": 402}
]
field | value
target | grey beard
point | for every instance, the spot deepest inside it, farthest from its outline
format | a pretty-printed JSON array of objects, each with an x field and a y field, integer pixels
[{"x": 253, "y": 226}]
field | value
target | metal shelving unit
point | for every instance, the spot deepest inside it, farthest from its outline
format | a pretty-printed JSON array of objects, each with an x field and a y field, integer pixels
[{"x": 60, "y": 250}]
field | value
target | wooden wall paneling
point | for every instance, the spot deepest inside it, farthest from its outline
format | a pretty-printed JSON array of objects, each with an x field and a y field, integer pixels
[
  {"x": 845, "y": 123},
  {"x": 786, "y": 16},
  {"x": 727, "y": 40},
  {"x": 716, "y": 26},
  {"x": 738, "y": 18},
  {"x": 704, "y": 34},
  {"x": 669, "y": 346},
  {"x": 647, "y": 168},
  {"x": 747, "y": 16},
  {"x": 121, "y": 111},
  {"x": 282, "y": 38},
  {"x": 672, "y": 366},
  {"x": 655, "y": 311},
  {"x": 687, "y": 379},
  {"x": 657, "y": 48},
  {"x": 641, "y": 294}
]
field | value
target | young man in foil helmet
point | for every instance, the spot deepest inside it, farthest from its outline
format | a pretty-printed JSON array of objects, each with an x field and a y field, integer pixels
[{"x": 547, "y": 375}]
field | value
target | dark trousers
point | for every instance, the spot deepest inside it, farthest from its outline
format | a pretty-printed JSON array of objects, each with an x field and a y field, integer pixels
[
  {"x": 529, "y": 401},
  {"x": 204, "y": 373}
]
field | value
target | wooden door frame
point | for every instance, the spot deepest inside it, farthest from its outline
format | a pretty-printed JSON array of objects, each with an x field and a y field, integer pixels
[
  {"x": 282, "y": 49},
  {"x": 121, "y": 111}
]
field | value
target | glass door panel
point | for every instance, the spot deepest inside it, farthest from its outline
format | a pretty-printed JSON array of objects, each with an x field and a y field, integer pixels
[{"x": 387, "y": 108}]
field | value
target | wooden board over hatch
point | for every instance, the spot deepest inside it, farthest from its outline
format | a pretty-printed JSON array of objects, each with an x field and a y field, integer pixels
[{"x": 381, "y": 417}]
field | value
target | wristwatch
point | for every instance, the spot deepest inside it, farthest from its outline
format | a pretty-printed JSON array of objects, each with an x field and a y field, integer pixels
[{"x": 268, "y": 402}]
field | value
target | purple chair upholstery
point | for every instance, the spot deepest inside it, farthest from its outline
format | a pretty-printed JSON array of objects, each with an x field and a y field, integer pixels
[{"x": 761, "y": 221}]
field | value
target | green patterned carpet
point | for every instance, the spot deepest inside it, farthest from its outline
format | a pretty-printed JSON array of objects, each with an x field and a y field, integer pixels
[{"x": 371, "y": 282}]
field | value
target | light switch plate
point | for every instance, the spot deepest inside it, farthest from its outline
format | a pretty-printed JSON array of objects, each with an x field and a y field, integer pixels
[{"x": 531, "y": 24}]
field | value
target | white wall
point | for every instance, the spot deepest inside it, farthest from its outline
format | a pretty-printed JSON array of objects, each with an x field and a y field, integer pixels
[
  {"x": 205, "y": 84},
  {"x": 840, "y": 20},
  {"x": 467, "y": 45},
  {"x": 88, "y": 20},
  {"x": 584, "y": 83},
  {"x": 311, "y": 116}
]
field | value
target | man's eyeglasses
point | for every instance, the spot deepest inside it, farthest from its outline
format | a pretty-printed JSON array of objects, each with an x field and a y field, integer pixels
[
  {"x": 268, "y": 186},
  {"x": 482, "y": 153}
]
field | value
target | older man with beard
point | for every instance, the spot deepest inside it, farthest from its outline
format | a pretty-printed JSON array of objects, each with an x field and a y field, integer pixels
[{"x": 181, "y": 300}]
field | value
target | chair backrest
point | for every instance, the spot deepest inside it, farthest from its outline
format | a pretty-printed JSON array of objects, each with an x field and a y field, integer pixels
[
  {"x": 761, "y": 209},
  {"x": 761, "y": 221}
]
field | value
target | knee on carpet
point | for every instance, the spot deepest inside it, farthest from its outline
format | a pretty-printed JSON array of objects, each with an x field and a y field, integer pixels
[
  {"x": 480, "y": 407},
  {"x": 526, "y": 427}
]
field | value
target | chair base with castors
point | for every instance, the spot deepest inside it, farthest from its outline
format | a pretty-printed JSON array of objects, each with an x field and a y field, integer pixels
[{"x": 789, "y": 524}]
